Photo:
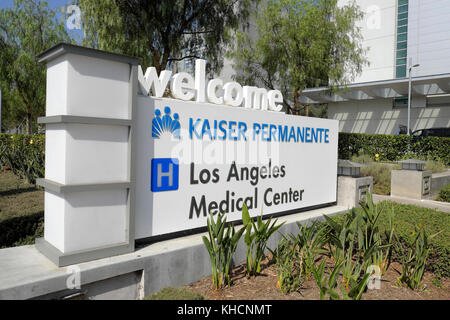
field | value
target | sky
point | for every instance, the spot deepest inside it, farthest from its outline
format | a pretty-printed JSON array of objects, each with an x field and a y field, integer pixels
[{"x": 54, "y": 4}]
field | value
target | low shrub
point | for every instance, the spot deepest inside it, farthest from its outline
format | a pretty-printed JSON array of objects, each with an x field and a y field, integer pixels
[
  {"x": 435, "y": 166},
  {"x": 362, "y": 158},
  {"x": 381, "y": 174},
  {"x": 170, "y": 293},
  {"x": 393, "y": 147},
  {"x": 444, "y": 194},
  {"x": 24, "y": 155},
  {"x": 21, "y": 230}
]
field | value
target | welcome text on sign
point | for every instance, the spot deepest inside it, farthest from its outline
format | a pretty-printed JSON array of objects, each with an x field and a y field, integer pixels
[{"x": 184, "y": 87}]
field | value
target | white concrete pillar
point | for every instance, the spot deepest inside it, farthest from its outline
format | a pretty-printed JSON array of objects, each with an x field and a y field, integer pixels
[{"x": 88, "y": 153}]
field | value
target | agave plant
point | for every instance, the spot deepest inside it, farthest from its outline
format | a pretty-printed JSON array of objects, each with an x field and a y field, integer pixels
[
  {"x": 256, "y": 236},
  {"x": 221, "y": 246}
]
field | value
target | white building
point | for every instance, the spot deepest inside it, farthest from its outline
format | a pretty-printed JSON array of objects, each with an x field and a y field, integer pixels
[{"x": 396, "y": 32}]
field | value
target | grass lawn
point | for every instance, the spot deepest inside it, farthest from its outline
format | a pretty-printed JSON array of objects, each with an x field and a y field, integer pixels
[
  {"x": 406, "y": 217},
  {"x": 21, "y": 211},
  {"x": 18, "y": 198}
]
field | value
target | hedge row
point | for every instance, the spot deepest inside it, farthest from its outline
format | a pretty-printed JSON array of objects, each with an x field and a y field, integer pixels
[
  {"x": 24, "y": 155},
  {"x": 21, "y": 230},
  {"x": 393, "y": 147}
]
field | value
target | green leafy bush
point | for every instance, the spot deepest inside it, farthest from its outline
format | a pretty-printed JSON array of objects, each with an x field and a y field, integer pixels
[
  {"x": 393, "y": 147},
  {"x": 21, "y": 230},
  {"x": 444, "y": 194},
  {"x": 381, "y": 174},
  {"x": 24, "y": 155},
  {"x": 435, "y": 166},
  {"x": 170, "y": 293}
]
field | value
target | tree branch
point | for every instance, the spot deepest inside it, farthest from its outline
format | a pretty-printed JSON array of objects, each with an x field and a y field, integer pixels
[{"x": 185, "y": 57}]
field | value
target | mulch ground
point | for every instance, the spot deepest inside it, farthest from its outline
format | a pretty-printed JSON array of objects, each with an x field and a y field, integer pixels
[{"x": 264, "y": 287}]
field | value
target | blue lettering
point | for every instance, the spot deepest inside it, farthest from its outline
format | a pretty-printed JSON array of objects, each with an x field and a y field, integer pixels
[
  {"x": 264, "y": 132},
  {"x": 308, "y": 134},
  {"x": 301, "y": 134},
  {"x": 282, "y": 133},
  {"x": 231, "y": 130},
  {"x": 206, "y": 129},
  {"x": 256, "y": 130},
  {"x": 192, "y": 128},
  {"x": 273, "y": 132},
  {"x": 326, "y": 135},
  {"x": 320, "y": 131},
  {"x": 242, "y": 129},
  {"x": 224, "y": 131},
  {"x": 314, "y": 135}
]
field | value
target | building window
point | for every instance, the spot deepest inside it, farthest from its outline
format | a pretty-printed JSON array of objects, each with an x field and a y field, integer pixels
[
  {"x": 402, "y": 39},
  {"x": 400, "y": 102}
]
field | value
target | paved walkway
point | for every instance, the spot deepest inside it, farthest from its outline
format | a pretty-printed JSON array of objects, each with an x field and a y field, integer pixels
[{"x": 431, "y": 204}]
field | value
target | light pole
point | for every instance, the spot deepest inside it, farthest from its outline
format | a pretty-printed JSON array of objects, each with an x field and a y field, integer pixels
[{"x": 409, "y": 93}]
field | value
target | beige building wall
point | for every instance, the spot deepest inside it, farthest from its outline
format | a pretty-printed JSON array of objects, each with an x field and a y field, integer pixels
[{"x": 379, "y": 116}]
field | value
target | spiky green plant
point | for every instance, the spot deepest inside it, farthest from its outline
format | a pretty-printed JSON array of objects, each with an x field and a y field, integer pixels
[
  {"x": 413, "y": 265},
  {"x": 340, "y": 236},
  {"x": 329, "y": 285},
  {"x": 310, "y": 241},
  {"x": 288, "y": 263},
  {"x": 374, "y": 246},
  {"x": 221, "y": 246},
  {"x": 256, "y": 237}
]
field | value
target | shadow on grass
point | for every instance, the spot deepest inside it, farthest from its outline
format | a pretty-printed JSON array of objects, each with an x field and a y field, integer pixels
[
  {"x": 21, "y": 230},
  {"x": 17, "y": 191}
]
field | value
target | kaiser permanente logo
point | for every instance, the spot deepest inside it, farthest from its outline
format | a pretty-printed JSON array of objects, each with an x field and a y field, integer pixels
[
  {"x": 165, "y": 123},
  {"x": 165, "y": 171}
]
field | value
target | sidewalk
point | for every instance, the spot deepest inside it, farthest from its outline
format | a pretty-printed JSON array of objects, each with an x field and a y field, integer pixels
[{"x": 431, "y": 204}]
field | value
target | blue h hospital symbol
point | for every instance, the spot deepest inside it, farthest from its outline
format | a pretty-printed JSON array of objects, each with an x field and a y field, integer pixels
[{"x": 164, "y": 175}]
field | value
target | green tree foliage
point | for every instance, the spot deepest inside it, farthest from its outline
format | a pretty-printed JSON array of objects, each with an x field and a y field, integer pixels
[
  {"x": 26, "y": 30},
  {"x": 163, "y": 32},
  {"x": 300, "y": 44}
]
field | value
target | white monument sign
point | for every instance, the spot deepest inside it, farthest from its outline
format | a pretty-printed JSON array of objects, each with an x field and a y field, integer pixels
[
  {"x": 125, "y": 163},
  {"x": 195, "y": 158}
]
